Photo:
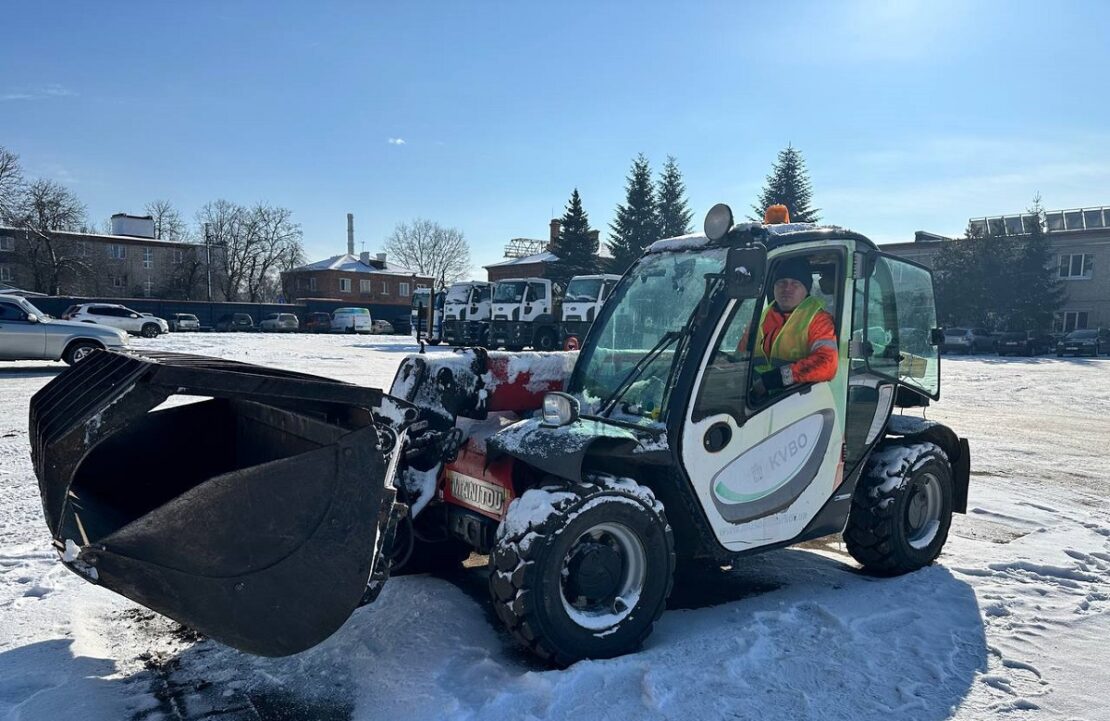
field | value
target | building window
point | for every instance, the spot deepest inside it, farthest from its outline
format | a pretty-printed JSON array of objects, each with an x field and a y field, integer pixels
[
  {"x": 82, "y": 248},
  {"x": 364, "y": 286},
  {"x": 403, "y": 289},
  {"x": 178, "y": 256},
  {"x": 148, "y": 257},
  {"x": 1071, "y": 320},
  {"x": 117, "y": 252},
  {"x": 312, "y": 283},
  {"x": 6, "y": 273},
  {"x": 119, "y": 281},
  {"x": 7, "y": 242},
  {"x": 385, "y": 288},
  {"x": 148, "y": 288},
  {"x": 344, "y": 285},
  {"x": 1076, "y": 265}
]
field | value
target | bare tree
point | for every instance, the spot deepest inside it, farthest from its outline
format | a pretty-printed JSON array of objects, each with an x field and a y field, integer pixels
[
  {"x": 11, "y": 181},
  {"x": 168, "y": 223},
  {"x": 431, "y": 250},
  {"x": 41, "y": 208},
  {"x": 250, "y": 246}
]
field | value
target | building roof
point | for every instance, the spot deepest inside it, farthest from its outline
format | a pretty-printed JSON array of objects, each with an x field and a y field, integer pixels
[
  {"x": 544, "y": 257},
  {"x": 112, "y": 238},
  {"x": 353, "y": 264}
]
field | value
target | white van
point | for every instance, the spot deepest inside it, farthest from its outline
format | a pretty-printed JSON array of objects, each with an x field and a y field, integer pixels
[{"x": 351, "y": 320}]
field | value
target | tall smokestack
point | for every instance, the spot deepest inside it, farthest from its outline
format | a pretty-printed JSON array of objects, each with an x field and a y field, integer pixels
[{"x": 350, "y": 233}]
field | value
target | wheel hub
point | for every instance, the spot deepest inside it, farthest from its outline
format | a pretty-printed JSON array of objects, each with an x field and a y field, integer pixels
[{"x": 594, "y": 571}]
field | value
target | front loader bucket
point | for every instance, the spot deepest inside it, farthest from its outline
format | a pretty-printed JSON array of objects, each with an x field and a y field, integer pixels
[{"x": 255, "y": 516}]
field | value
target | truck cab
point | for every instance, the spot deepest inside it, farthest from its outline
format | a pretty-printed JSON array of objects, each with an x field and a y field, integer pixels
[
  {"x": 525, "y": 313},
  {"x": 582, "y": 301},
  {"x": 466, "y": 313}
]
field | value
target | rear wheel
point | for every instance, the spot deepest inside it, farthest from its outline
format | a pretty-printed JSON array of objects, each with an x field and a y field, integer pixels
[
  {"x": 78, "y": 351},
  {"x": 587, "y": 579},
  {"x": 902, "y": 508}
]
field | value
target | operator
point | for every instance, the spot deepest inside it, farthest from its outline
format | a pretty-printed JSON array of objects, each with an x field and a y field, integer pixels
[{"x": 796, "y": 340}]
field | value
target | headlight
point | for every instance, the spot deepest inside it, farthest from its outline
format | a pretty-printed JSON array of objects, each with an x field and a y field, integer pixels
[{"x": 559, "y": 409}]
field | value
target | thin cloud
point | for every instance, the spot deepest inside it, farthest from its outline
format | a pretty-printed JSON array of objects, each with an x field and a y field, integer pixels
[
  {"x": 396, "y": 141},
  {"x": 53, "y": 90}
]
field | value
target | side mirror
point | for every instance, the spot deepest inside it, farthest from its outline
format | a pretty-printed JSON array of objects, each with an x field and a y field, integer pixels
[
  {"x": 32, "y": 318},
  {"x": 744, "y": 270},
  {"x": 134, "y": 315}
]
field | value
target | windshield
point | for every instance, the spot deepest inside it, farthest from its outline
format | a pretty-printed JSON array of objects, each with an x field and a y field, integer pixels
[
  {"x": 420, "y": 298},
  {"x": 458, "y": 294},
  {"x": 1082, "y": 334},
  {"x": 657, "y": 298},
  {"x": 583, "y": 290},
  {"x": 955, "y": 331},
  {"x": 509, "y": 292}
]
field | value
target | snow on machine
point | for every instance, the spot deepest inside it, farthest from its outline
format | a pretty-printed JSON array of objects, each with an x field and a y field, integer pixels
[{"x": 585, "y": 477}]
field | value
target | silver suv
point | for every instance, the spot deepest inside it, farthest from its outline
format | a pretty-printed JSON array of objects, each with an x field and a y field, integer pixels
[
  {"x": 118, "y": 316},
  {"x": 26, "y": 333}
]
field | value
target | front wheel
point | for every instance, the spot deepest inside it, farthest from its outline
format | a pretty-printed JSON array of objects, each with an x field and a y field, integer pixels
[
  {"x": 547, "y": 340},
  {"x": 902, "y": 508},
  {"x": 79, "y": 351},
  {"x": 150, "y": 330},
  {"x": 588, "y": 578}
]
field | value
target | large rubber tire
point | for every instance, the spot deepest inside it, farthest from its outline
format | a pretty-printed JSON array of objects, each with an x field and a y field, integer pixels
[
  {"x": 78, "y": 350},
  {"x": 530, "y": 578},
  {"x": 150, "y": 330},
  {"x": 547, "y": 340},
  {"x": 902, "y": 508}
]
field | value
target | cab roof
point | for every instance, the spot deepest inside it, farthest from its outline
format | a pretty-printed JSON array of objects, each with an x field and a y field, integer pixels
[{"x": 776, "y": 236}]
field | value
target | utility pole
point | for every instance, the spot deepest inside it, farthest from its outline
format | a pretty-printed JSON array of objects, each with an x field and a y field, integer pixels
[{"x": 208, "y": 260}]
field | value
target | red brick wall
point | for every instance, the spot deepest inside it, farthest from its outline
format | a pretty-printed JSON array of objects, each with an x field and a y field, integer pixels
[{"x": 385, "y": 289}]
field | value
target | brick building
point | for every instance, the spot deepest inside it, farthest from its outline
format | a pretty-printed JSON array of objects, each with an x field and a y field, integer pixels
[
  {"x": 530, "y": 265},
  {"x": 1078, "y": 238},
  {"x": 359, "y": 279},
  {"x": 130, "y": 262}
]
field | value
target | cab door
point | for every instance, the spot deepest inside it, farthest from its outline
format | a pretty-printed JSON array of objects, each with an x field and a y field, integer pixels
[
  {"x": 20, "y": 339},
  {"x": 763, "y": 468}
]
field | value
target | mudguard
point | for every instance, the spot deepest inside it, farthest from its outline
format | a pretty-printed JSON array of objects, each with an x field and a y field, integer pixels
[
  {"x": 561, "y": 451},
  {"x": 257, "y": 516}
]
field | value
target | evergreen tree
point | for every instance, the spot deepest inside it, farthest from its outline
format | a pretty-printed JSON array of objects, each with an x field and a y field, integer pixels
[
  {"x": 788, "y": 184},
  {"x": 575, "y": 246},
  {"x": 637, "y": 223},
  {"x": 1039, "y": 293},
  {"x": 997, "y": 281},
  {"x": 674, "y": 214}
]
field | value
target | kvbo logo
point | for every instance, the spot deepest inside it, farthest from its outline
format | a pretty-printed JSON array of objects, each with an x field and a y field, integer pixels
[{"x": 787, "y": 453}]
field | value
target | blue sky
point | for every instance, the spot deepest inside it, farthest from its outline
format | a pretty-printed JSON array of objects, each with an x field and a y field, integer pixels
[{"x": 911, "y": 115}]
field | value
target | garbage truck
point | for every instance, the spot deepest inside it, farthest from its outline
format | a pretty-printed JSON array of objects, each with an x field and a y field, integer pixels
[
  {"x": 525, "y": 313},
  {"x": 587, "y": 478},
  {"x": 466, "y": 313},
  {"x": 583, "y": 299}
]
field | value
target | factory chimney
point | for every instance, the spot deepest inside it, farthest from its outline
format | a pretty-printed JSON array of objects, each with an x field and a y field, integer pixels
[{"x": 350, "y": 233}]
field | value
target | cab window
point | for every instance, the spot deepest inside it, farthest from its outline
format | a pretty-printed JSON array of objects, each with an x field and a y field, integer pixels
[
  {"x": 10, "y": 312},
  {"x": 537, "y": 291}
]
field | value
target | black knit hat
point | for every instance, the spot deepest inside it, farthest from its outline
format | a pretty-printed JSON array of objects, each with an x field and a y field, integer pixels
[{"x": 796, "y": 268}]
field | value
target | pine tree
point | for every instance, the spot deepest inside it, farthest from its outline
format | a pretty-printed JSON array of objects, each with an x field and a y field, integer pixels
[
  {"x": 788, "y": 184},
  {"x": 637, "y": 223},
  {"x": 674, "y": 214},
  {"x": 576, "y": 247},
  {"x": 1039, "y": 294}
]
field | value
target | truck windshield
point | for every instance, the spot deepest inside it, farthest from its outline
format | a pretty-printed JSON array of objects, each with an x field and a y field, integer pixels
[
  {"x": 658, "y": 300},
  {"x": 421, "y": 297},
  {"x": 458, "y": 294},
  {"x": 583, "y": 290},
  {"x": 509, "y": 292}
]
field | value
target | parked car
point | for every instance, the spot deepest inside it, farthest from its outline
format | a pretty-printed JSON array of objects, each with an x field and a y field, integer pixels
[
  {"x": 280, "y": 323},
  {"x": 183, "y": 322},
  {"x": 1025, "y": 342},
  {"x": 230, "y": 322},
  {"x": 967, "y": 340},
  {"x": 117, "y": 316},
  {"x": 317, "y": 323},
  {"x": 381, "y": 326},
  {"x": 1088, "y": 341},
  {"x": 26, "y": 333},
  {"x": 351, "y": 320}
]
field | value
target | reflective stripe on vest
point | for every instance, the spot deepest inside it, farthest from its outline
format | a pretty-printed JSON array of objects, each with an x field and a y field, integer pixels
[{"x": 792, "y": 342}]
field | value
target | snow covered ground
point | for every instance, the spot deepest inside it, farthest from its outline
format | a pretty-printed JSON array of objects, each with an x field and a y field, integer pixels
[{"x": 1012, "y": 621}]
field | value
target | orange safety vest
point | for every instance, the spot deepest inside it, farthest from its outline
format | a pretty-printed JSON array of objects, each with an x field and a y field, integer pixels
[{"x": 792, "y": 342}]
